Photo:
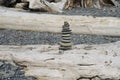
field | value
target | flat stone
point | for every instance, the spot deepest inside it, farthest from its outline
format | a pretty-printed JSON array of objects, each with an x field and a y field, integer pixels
[
  {"x": 66, "y": 38},
  {"x": 66, "y": 41},
  {"x": 65, "y": 44},
  {"x": 66, "y": 31},
  {"x": 66, "y": 35},
  {"x": 65, "y": 48}
]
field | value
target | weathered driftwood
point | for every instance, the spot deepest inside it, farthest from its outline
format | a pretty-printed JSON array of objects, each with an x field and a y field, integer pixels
[
  {"x": 11, "y": 19},
  {"x": 46, "y": 5},
  {"x": 54, "y": 6},
  {"x": 83, "y": 61},
  {"x": 59, "y": 5}
]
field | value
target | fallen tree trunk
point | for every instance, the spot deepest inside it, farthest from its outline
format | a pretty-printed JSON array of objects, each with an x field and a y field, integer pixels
[
  {"x": 11, "y": 19},
  {"x": 83, "y": 61}
]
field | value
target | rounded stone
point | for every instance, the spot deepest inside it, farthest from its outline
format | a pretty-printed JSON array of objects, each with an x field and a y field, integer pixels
[
  {"x": 65, "y": 44},
  {"x": 66, "y": 25},
  {"x": 66, "y": 35},
  {"x": 66, "y": 30},
  {"x": 66, "y": 38},
  {"x": 65, "y": 48}
]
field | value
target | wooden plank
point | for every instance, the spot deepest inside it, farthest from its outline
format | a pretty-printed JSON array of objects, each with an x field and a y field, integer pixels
[
  {"x": 46, "y": 63},
  {"x": 11, "y": 19}
]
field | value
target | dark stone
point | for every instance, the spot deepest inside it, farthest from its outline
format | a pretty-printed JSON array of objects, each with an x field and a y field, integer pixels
[
  {"x": 66, "y": 38},
  {"x": 8, "y": 3},
  {"x": 66, "y": 26},
  {"x": 65, "y": 35},
  {"x": 66, "y": 30},
  {"x": 65, "y": 48}
]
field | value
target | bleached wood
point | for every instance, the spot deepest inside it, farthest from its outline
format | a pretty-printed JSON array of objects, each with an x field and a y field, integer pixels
[
  {"x": 46, "y": 63},
  {"x": 50, "y": 7},
  {"x": 11, "y": 19}
]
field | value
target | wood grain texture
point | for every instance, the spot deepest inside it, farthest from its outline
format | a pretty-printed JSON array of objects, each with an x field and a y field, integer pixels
[
  {"x": 46, "y": 63},
  {"x": 11, "y": 19}
]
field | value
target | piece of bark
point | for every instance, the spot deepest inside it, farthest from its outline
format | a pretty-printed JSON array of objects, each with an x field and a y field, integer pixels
[
  {"x": 46, "y": 63},
  {"x": 11, "y": 19}
]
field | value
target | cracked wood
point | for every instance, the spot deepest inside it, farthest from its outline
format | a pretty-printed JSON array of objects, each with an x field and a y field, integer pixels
[{"x": 45, "y": 63}]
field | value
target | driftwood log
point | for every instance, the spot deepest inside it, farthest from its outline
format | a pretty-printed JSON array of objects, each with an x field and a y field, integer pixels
[
  {"x": 58, "y": 5},
  {"x": 83, "y": 61},
  {"x": 12, "y": 19}
]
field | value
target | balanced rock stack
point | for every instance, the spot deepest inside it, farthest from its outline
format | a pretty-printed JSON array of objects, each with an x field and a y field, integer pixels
[{"x": 65, "y": 43}]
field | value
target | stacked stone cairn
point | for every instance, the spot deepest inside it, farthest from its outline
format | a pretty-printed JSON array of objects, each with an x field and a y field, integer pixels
[{"x": 65, "y": 43}]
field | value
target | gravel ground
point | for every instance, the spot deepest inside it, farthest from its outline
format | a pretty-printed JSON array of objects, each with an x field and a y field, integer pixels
[
  {"x": 13, "y": 37},
  {"x": 12, "y": 72},
  {"x": 104, "y": 12}
]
